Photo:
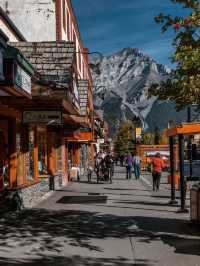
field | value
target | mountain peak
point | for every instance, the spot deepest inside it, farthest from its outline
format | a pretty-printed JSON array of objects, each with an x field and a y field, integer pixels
[{"x": 124, "y": 79}]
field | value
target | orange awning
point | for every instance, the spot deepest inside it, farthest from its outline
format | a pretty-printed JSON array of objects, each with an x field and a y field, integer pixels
[
  {"x": 81, "y": 137},
  {"x": 185, "y": 129}
]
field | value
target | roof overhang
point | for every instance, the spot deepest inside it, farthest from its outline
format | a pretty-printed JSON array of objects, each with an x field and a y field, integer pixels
[{"x": 184, "y": 129}]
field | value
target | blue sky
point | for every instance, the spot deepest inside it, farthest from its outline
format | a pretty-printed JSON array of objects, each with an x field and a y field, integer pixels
[{"x": 110, "y": 25}]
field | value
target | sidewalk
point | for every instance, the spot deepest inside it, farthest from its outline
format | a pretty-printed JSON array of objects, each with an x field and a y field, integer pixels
[{"x": 133, "y": 226}]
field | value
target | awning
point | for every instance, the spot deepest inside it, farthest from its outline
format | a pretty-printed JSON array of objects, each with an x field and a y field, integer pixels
[
  {"x": 184, "y": 129},
  {"x": 153, "y": 153}
]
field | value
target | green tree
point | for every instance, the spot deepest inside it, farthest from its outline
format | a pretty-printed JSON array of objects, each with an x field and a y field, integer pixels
[
  {"x": 125, "y": 139},
  {"x": 148, "y": 138},
  {"x": 183, "y": 84}
]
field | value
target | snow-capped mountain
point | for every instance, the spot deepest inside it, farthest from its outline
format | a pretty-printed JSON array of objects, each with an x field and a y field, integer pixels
[{"x": 121, "y": 83}]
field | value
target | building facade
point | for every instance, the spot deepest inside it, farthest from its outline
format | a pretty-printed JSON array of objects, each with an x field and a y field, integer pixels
[
  {"x": 56, "y": 21},
  {"x": 46, "y": 107}
]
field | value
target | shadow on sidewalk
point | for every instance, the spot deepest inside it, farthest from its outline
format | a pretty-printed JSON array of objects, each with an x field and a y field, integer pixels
[
  {"x": 129, "y": 189},
  {"x": 73, "y": 261},
  {"x": 148, "y": 203},
  {"x": 137, "y": 208},
  {"x": 43, "y": 228}
]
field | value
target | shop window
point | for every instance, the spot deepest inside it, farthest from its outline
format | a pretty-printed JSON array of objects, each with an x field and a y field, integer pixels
[
  {"x": 60, "y": 164},
  {"x": 70, "y": 155},
  {"x": 29, "y": 156},
  {"x": 42, "y": 151},
  {"x": 20, "y": 162}
]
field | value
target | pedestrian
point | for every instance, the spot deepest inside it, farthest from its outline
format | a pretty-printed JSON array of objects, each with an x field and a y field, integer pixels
[
  {"x": 136, "y": 166},
  {"x": 98, "y": 166},
  {"x": 158, "y": 165},
  {"x": 109, "y": 163},
  {"x": 121, "y": 158},
  {"x": 90, "y": 168},
  {"x": 129, "y": 164}
]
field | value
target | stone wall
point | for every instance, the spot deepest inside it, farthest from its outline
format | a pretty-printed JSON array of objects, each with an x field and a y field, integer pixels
[{"x": 33, "y": 195}]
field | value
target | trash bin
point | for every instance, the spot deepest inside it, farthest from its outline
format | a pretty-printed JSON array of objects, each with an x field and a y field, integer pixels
[
  {"x": 51, "y": 183},
  {"x": 194, "y": 198}
]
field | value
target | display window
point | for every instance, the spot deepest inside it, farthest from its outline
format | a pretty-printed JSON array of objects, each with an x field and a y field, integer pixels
[
  {"x": 42, "y": 150},
  {"x": 60, "y": 164},
  {"x": 29, "y": 155},
  {"x": 20, "y": 160}
]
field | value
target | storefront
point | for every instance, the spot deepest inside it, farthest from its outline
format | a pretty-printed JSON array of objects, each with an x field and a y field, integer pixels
[
  {"x": 16, "y": 83},
  {"x": 45, "y": 137}
]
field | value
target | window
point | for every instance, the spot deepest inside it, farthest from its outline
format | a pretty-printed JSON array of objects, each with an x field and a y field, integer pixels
[
  {"x": 68, "y": 26},
  {"x": 29, "y": 158},
  {"x": 64, "y": 15},
  {"x": 42, "y": 150}
]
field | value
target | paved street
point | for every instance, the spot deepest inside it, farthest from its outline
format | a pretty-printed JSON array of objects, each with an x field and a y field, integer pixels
[{"x": 133, "y": 226}]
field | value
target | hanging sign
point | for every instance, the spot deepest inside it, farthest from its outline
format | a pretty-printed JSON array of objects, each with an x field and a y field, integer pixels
[
  {"x": 46, "y": 117},
  {"x": 23, "y": 80}
]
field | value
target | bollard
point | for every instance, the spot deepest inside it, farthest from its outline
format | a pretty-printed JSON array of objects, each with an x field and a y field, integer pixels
[
  {"x": 51, "y": 183},
  {"x": 194, "y": 196}
]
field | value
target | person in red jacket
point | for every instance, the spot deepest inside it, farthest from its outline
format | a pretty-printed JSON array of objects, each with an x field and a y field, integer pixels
[{"x": 158, "y": 166}]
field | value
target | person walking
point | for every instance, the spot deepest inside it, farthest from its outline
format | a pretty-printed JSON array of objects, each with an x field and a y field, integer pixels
[
  {"x": 136, "y": 166},
  {"x": 121, "y": 158},
  {"x": 129, "y": 164},
  {"x": 109, "y": 163},
  {"x": 158, "y": 166},
  {"x": 90, "y": 168},
  {"x": 98, "y": 166}
]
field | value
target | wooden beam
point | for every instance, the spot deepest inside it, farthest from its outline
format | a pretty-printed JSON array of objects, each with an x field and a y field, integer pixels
[{"x": 9, "y": 112}]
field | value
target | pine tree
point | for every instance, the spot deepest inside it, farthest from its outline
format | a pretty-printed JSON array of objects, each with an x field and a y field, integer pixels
[{"x": 183, "y": 84}]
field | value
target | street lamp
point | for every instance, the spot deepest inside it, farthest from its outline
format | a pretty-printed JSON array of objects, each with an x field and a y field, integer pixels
[
  {"x": 100, "y": 54},
  {"x": 91, "y": 53}
]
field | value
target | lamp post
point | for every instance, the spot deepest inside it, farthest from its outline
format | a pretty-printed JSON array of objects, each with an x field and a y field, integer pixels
[
  {"x": 100, "y": 54},
  {"x": 91, "y": 53}
]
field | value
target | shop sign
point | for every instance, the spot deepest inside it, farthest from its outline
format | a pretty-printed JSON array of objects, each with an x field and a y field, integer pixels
[
  {"x": 86, "y": 130},
  {"x": 46, "y": 117},
  {"x": 23, "y": 80},
  {"x": 138, "y": 132}
]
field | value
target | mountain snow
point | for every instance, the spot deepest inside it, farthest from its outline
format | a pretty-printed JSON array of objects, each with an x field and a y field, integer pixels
[{"x": 121, "y": 84}]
